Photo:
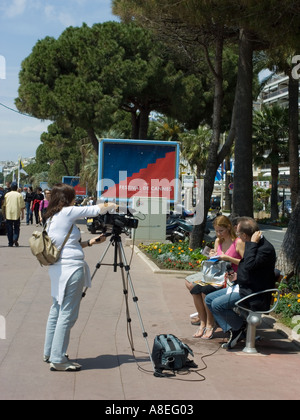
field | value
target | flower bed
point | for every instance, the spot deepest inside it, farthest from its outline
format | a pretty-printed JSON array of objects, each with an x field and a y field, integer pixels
[
  {"x": 177, "y": 256},
  {"x": 288, "y": 308}
]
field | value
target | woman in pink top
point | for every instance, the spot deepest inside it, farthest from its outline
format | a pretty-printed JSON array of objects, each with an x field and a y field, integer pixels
[
  {"x": 229, "y": 248},
  {"x": 44, "y": 205}
]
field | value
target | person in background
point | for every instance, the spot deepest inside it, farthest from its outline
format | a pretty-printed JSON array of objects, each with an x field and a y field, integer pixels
[
  {"x": 23, "y": 192},
  {"x": 44, "y": 205},
  {"x": 28, "y": 200},
  {"x": 7, "y": 187},
  {"x": 35, "y": 206},
  {"x": 13, "y": 208},
  {"x": 2, "y": 194}
]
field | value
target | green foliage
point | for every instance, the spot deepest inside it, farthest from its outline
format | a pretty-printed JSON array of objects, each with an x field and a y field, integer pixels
[
  {"x": 89, "y": 73},
  {"x": 275, "y": 22},
  {"x": 61, "y": 147}
]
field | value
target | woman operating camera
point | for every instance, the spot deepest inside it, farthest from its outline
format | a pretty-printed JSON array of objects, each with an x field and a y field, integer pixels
[{"x": 70, "y": 274}]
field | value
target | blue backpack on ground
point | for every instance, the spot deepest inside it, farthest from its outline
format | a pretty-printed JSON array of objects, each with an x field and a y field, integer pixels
[{"x": 170, "y": 353}]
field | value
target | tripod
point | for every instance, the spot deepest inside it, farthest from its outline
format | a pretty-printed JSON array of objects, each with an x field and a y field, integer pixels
[{"x": 119, "y": 255}]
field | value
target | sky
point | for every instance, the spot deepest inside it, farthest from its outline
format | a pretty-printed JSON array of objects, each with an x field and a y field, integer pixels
[{"x": 22, "y": 24}]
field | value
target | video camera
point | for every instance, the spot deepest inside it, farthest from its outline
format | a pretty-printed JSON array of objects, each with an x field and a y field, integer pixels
[{"x": 118, "y": 221}]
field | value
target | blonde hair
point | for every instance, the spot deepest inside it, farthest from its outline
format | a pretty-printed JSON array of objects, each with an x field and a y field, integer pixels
[{"x": 224, "y": 221}]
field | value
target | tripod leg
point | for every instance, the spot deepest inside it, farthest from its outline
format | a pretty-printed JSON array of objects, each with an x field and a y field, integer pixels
[
  {"x": 125, "y": 292},
  {"x": 125, "y": 266}
]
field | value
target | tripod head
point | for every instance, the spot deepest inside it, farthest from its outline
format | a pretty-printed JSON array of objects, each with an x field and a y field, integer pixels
[
  {"x": 116, "y": 231},
  {"x": 115, "y": 240}
]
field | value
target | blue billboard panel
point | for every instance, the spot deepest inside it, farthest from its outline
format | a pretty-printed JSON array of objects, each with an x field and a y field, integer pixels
[{"x": 141, "y": 168}]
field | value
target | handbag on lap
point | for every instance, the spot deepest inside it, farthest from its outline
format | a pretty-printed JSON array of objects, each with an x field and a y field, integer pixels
[{"x": 213, "y": 272}]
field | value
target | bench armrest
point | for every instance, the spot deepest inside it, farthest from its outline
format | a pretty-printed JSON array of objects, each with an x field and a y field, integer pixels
[{"x": 257, "y": 294}]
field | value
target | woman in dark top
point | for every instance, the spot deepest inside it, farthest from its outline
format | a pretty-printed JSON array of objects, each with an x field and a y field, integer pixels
[
  {"x": 37, "y": 198},
  {"x": 28, "y": 200}
]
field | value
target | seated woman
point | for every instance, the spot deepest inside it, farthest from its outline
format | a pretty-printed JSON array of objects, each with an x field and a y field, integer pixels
[{"x": 229, "y": 248}]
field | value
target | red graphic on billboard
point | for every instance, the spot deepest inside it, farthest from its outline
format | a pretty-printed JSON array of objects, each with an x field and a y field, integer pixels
[{"x": 74, "y": 181}]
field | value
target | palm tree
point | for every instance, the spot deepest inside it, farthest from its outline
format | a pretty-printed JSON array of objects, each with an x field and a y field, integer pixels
[
  {"x": 270, "y": 134},
  {"x": 89, "y": 168},
  {"x": 166, "y": 128},
  {"x": 195, "y": 146}
]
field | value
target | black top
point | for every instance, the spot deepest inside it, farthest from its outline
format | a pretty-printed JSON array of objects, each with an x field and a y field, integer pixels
[{"x": 256, "y": 272}]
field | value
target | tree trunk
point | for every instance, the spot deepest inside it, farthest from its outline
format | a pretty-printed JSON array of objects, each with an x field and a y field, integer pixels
[
  {"x": 144, "y": 123},
  {"x": 293, "y": 138},
  {"x": 65, "y": 166},
  {"x": 228, "y": 179},
  {"x": 274, "y": 192},
  {"x": 243, "y": 176},
  {"x": 93, "y": 139},
  {"x": 135, "y": 124},
  {"x": 140, "y": 123},
  {"x": 212, "y": 162},
  {"x": 289, "y": 257},
  {"x": 77, "y": 166}
]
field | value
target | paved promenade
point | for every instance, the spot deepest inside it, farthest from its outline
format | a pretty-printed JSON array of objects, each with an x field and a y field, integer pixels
[{"x": 100, "y": 343}]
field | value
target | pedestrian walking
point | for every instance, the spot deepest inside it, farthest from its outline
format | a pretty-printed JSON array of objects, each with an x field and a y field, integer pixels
[
  {"x": 44, "y": 205},
  {"x": 28, "y": 200},
  {"x": 13, "y": 208},
  {"x": 35, "y": 206},
  {"x": 2, "y": 194}
]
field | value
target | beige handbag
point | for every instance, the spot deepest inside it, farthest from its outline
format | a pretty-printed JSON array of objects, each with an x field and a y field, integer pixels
[{"x": 43, "y": 249}]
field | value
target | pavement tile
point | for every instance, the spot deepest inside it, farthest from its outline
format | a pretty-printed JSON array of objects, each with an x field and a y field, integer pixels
[{"x": 99, "y": 339}]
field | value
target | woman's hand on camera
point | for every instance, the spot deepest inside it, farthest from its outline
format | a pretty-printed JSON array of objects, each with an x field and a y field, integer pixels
[
  {"x": 98, "y": 240},
  {"x": 107, "y": 207}
]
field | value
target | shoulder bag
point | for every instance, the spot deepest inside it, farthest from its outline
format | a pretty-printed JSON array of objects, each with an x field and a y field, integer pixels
[{"x": 43, "y": 248}]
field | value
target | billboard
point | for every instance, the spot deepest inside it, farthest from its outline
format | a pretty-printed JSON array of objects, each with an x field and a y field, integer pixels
[
  {"x": 143, "y": 168},
  {"x": 74, "y": 181}
]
